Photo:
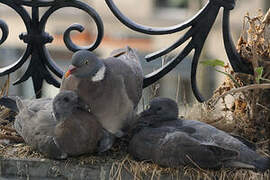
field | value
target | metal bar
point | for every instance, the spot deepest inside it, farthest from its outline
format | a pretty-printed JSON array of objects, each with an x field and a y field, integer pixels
[
  {"x": 36, "y": 38},
  {"x": 237, "y": 63},
  {"x": 151, "y": 30}
]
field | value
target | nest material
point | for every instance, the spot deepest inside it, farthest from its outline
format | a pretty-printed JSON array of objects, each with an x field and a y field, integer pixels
[
  {"x": 247, "y": 110},
  {"x": 121, "y": 161}
]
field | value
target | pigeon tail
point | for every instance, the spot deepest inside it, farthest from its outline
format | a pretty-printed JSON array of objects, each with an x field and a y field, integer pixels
[
  {"x": 9, "y": 102},
  {"x": 262, "y": 164}
]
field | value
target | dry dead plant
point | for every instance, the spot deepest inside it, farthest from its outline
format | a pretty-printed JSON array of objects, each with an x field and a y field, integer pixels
[{"x": 249, "y": 104}]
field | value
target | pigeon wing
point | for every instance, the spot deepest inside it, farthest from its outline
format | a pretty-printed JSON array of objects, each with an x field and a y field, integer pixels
[{"x": 128, "y": 63}]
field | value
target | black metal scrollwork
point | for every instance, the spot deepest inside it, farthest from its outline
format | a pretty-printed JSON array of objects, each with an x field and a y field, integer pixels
[
  {"x": 36, "y": 38},
  {"x": 199, "y": 25},
  {"x": 4, "y": 29}
]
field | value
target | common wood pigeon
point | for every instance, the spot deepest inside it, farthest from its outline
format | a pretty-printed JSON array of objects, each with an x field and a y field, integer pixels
[
  {"x": 168, "y": 141},
  {"x": 58, "y": 127},
  {"x": 112, "y": 87}
]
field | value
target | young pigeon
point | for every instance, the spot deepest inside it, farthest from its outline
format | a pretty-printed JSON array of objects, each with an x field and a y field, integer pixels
[
  {"x": 58, "y": 127},
  {"x": 112, "y": 87},
  {"x": 168, "y": 141},
  {"x": 77, "y": 131}
]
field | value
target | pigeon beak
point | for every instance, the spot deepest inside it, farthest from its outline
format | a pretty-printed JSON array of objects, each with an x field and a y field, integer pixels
[{"x": 70, "y": 70}]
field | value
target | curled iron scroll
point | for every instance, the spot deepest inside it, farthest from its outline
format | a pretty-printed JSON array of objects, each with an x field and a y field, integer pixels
[
  {"x": 26, "y": 19},
  {"x": 36, "y": 38},
  {"x": 4, "y": 29},
  {"x": 67, "y": 40},
  {"x": 199, "y": 25}
]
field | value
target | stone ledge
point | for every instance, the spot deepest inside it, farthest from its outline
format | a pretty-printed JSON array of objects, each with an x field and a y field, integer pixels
[{"x": 13, "y": 168}]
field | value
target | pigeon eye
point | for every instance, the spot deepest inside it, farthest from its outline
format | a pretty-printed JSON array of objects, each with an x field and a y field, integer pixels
[
  {"x": 66, "y": 99},
  {"x": 86, "y": 62}
]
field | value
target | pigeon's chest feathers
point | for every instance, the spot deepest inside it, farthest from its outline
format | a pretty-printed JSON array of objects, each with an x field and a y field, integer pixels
[
  {"x": 70, "y": 83},
  {"x": 84, "y": 87}
]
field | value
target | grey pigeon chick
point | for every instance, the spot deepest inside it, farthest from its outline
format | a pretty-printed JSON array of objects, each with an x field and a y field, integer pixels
[
  {"x": 112, "y": 87},
  {"x": 77, "y": 131},
  {"x": 58, "y": 127},
  {"x": 168, "y": 141}
]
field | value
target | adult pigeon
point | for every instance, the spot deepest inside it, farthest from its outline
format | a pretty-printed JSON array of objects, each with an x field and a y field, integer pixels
[
  {"x": 168, "y": 141},
  {"x": 58, "y": 127},
  {"x": 112, "y": 87}
]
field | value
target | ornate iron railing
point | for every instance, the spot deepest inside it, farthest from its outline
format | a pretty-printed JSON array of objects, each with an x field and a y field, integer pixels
[{"x": 41, "y": 62}]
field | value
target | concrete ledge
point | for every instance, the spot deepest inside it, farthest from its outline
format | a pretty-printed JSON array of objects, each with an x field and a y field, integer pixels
[
  {"x": 35, "y": 169},
  {"x": 45, "y": 169}
]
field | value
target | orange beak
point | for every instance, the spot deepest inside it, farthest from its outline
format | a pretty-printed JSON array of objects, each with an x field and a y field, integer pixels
[{"x": 70, "y": 70}]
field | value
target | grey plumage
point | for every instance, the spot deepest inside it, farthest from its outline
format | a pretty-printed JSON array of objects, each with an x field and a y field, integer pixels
[
  {"x": 58, "y": 127},
  {"x": 77, "y": 131},
  {"x": 36, "y": 126},
  {"x": 33, "y": 104},
  {"x": 173, "y": 142},
  {"x": 112, "y": 87}
]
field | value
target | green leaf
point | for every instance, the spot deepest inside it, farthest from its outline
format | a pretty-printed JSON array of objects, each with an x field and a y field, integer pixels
[
  {"x": 259, "y": 71},
  {"x": 230, "y": 76},
  {"x": 216, "y": 62},
  {"x": 213, "y": 63}
]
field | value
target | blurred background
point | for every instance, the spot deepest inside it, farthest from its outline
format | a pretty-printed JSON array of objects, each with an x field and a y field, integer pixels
[{"x": 164, "y": 13}]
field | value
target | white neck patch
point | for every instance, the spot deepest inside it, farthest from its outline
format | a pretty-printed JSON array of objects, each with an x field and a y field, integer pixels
[{"x": 100, "y": 74}]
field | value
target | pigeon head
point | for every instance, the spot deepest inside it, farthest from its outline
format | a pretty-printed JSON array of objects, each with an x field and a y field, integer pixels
[
  {"x": 159, "y": 111},
  {"x": 85, "y": 64},
  {"x": 65, "y": 103},
  {"x": 164, "y": 108}
]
